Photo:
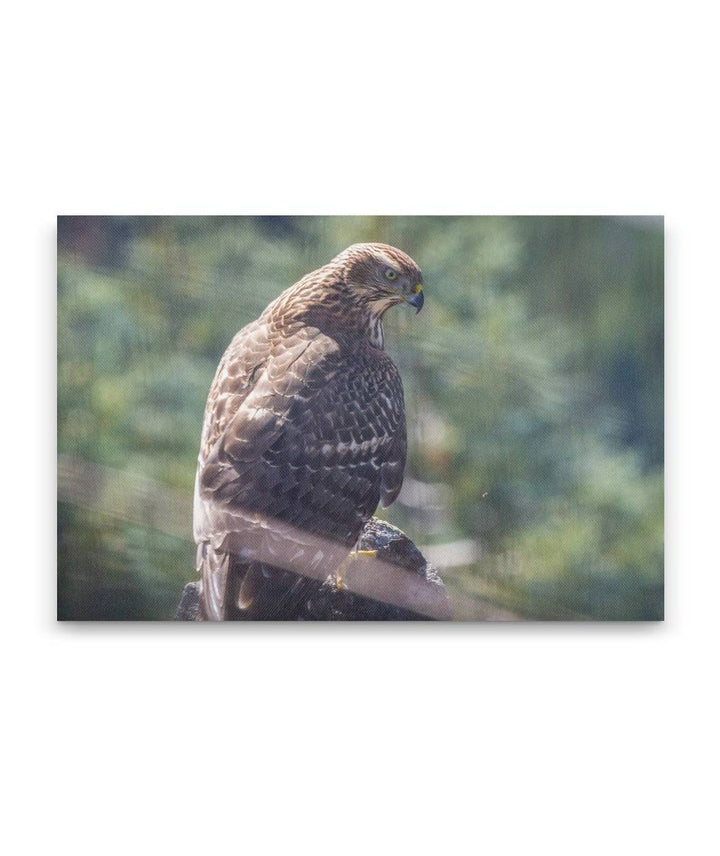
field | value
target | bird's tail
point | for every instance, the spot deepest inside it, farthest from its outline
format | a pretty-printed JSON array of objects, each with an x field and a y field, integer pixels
[
  {"x": 214, "y": 568},
  {"x": 233, "y": 589}
]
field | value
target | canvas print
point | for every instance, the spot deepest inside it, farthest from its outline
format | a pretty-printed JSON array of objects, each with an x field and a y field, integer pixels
[{"x": 362, "y": 418}]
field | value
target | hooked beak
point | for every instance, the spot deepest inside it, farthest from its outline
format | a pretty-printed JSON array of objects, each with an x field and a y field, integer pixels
[{"x": 417, "y": 299}]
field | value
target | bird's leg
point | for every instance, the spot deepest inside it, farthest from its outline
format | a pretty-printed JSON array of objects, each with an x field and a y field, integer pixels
[
  {"x": 356, "y": 554},
  {"x": 340, "y": 572}
]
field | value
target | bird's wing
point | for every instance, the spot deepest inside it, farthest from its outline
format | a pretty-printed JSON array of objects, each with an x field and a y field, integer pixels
[
  {"x": 242, "y": 362},
  {"x": 315, "y": 439}
]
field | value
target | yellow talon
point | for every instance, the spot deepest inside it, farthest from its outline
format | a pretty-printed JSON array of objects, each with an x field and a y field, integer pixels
[{"x": 356, "y": 554}]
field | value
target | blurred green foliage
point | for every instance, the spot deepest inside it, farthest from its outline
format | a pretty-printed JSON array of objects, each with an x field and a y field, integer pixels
[{"x": 533, "y": 378}]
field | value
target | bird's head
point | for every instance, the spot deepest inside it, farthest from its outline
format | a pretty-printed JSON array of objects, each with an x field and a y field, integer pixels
[{"x": 381, "y": 276}]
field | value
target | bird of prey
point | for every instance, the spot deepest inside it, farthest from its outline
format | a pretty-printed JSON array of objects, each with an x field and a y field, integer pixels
[{"x": 304, "y": 435}]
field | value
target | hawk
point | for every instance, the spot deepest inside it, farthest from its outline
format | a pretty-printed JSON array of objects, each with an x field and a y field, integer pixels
[{"x": 304, "y": 435}]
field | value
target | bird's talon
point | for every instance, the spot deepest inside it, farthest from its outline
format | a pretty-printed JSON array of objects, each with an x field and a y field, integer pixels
[{"x": 356, "y": 554}]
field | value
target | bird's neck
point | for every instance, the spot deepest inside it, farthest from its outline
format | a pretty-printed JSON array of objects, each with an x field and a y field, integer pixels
[
  {"x": 374, "y": 330},
  {"x": 337, "y": 312}
]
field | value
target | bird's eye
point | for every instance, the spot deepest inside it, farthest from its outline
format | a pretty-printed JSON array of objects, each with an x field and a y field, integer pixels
[{"x": 390, "y": 274}]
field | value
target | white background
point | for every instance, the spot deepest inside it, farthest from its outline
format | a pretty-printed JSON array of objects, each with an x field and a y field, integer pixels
[{"x": 446, "y": 739}]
